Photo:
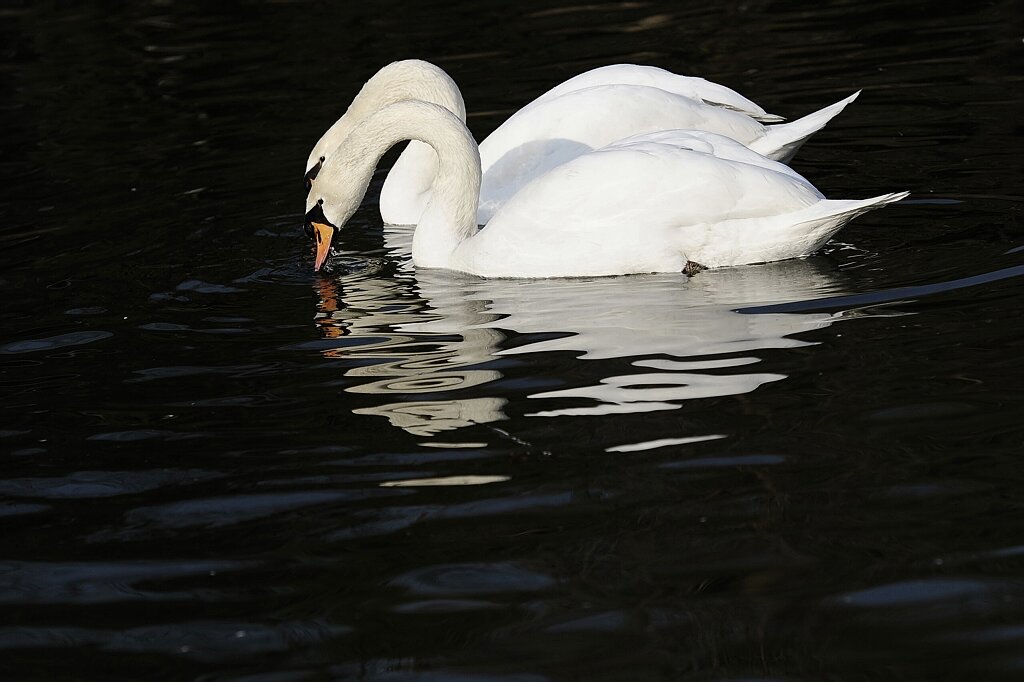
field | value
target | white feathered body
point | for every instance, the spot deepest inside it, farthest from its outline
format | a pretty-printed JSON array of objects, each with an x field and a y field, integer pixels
[
  {"x": 557, "y": 129},
  {"x": 645, "y": 204},
  {"x": 652, "y": 203}
]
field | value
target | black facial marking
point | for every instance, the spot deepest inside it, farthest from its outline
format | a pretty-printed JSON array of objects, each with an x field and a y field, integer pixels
[
  {"x": 315, "y": 215},
  {"x": 312, "y": 173}
]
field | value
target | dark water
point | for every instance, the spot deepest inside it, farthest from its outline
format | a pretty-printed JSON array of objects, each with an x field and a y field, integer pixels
[{"x": 217, "y": 466}]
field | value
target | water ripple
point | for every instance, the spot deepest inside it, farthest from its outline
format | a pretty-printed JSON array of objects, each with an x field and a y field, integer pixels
[
  {"x": 99, "y": 484},
  {"x": 27, "y": 582},
  {"x": 53, "y": 342},
  {"x": 464, "y": 580},
  {"x": 216, "y": 512},
  {"x": 220, "y": 640},
  {"x": 893, "y": 295}
]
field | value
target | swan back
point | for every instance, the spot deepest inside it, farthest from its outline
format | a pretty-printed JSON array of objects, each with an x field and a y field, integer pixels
[
  {"x": 716, "y": 145},
  {"x": 651, "y": 76},
  {"x": 561, "y": 128},
  {"x": 651, "y": 205}
]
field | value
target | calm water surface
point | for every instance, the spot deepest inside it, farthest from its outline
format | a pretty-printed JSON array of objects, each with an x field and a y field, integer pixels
[{"x": 218, "y": 466}]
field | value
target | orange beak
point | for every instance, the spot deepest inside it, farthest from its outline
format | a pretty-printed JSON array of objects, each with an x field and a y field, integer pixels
[{"x": 323, "y": 243}]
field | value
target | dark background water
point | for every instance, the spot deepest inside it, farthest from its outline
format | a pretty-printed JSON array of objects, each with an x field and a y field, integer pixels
[{"x": 218, "y": 466}]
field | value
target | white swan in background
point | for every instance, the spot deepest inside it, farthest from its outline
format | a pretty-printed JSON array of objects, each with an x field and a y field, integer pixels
[
  {"x": 417, "y": 79},
  {"x": 582, "y": 114},
  {"x": 562, "y": 128},
  {"x": 656, "y": 203}
]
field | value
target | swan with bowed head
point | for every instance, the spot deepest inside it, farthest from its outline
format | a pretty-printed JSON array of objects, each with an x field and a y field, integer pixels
[
  {"x": 601, "y": 188},
  {"x": 584, "y": 113}
]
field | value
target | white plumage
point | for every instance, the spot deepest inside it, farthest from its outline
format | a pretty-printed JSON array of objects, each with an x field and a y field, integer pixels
[
  {"x": 648, "y": 203},
  {"x": 580, "y": 115}
]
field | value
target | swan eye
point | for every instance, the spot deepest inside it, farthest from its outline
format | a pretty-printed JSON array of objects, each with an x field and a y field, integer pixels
[{"x": 319, "y": 202}]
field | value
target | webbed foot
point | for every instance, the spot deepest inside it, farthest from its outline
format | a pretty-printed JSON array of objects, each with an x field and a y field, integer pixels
[{"x": 691, "y": 268}]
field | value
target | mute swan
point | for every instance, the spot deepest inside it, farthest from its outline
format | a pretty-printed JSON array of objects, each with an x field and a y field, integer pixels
[
  {"x": 580, "y": 115},
  {"x": 651, "y": 203},
  {"x": 417, "y": 79}
]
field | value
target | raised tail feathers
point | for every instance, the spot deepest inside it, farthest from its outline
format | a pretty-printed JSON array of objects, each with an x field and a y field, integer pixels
[
  {"x": 827, "y": 217},
  {"x": 781, "y": 142},
  {"x": 848, "y": 209}
]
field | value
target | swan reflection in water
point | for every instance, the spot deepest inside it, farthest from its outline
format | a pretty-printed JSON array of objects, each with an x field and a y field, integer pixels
[
  {"x": 370, "y": 312},
  {"x": 434, "y": 333}
]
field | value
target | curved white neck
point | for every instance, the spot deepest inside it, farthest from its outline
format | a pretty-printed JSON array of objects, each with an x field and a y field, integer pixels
[
  {"x": 407, "y": 79},
  {"x": 450, "y": 217}
]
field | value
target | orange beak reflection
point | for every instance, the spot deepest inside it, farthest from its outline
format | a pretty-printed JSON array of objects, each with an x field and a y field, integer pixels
[{"x": 323, "y": 234}]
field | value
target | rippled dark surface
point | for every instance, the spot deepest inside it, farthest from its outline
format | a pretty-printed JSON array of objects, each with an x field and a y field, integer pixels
[{"x": 216, "y": 466}]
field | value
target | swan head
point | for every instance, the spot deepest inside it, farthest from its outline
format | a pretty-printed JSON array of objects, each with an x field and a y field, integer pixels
[
  {"x": 329, "y": 205},
  {"x": 341, "y": 181},
  {"x": 320, "y": 230}
]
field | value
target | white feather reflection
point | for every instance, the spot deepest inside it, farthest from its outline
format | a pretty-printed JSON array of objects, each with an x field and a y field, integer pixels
[
  {"x": 369, "y": 311},
  {"x": 684, "y": 336}
]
